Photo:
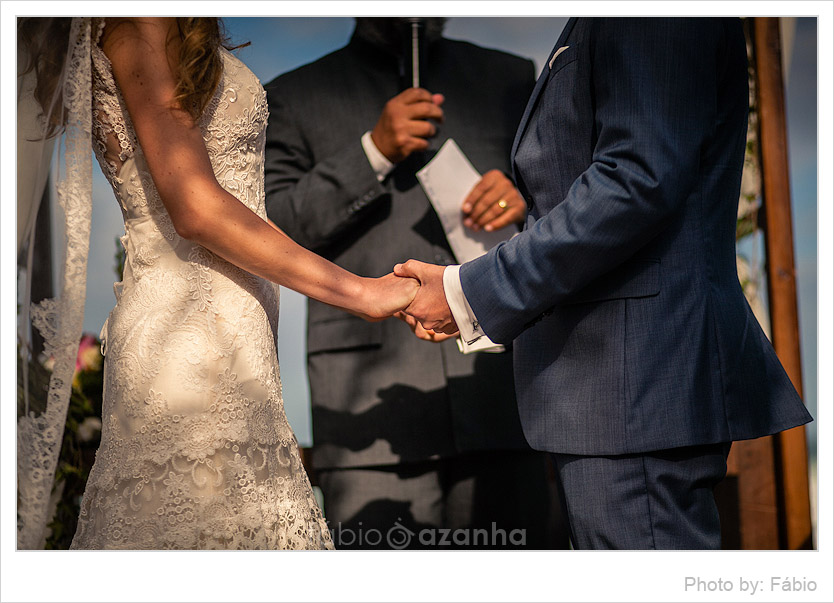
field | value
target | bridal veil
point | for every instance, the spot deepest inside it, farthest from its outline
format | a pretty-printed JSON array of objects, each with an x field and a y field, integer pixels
[{"x": 54, "y": 121}]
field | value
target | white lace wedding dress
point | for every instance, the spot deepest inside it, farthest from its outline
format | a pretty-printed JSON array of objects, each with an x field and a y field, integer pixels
[{"x": 196, "y": 451}]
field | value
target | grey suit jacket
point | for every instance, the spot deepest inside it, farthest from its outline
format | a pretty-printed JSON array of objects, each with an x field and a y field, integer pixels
[
  {"x": 631, "y": 331},
  {"x": 379, "y": 395}
]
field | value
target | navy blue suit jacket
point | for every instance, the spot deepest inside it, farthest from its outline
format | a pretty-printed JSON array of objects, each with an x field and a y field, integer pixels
[{"x": 631, "y": 332}]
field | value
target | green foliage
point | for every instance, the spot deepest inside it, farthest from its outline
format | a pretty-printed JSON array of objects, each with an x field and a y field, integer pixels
[
  {"x": 745, "y": 226},
  {"x": 120, "y": 256}
]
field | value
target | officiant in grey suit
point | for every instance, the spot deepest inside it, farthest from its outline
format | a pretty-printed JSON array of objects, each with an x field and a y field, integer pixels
[
  {"x": 407, "y": 434},
  {"x": 638, "y": 360}
]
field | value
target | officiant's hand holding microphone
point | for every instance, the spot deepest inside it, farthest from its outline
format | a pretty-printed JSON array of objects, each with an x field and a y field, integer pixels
[
  {"x": 406, "y": 123},
  {"x": 409, "y": 119}
]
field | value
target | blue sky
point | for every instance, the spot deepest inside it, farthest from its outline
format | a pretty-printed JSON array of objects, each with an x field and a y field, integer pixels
[
  {"x": 279, "y": 44},
  {"x": 801, "y": 104}
]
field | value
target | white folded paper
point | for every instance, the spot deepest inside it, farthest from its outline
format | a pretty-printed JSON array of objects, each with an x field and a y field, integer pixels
[{"x": 447, "y": 179}]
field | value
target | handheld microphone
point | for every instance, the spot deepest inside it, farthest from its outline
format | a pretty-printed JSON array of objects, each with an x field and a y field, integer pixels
[{"x": 414, "y": 51}]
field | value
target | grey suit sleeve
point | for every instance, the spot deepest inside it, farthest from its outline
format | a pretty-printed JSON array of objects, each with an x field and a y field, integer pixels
[
  {"x": 314, "y": 202},
  {"x": 655, "y": 88}
]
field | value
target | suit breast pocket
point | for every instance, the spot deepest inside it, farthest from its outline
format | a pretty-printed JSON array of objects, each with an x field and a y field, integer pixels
[{"x": 562, "y": 60}]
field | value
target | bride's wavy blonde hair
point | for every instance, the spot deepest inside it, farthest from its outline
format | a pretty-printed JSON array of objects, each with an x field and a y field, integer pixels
[{"x": 198, "y": 69}]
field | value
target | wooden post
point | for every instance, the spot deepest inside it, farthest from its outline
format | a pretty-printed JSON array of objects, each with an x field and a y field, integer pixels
[
  {"x": 747, "y": 498},
  {"x": 790, "y": 447}
]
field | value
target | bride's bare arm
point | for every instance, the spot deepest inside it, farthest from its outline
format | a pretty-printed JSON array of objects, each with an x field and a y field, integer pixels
[{"x": 143, "y": 53}]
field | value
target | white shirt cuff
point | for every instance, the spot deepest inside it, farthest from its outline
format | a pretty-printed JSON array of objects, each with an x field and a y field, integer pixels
[
  {"x": 472, "y": 338},
  {"x": 379, "y": 162}
]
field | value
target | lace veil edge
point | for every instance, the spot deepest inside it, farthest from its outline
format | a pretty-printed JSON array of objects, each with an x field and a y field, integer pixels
[{"x": 59, "y": 319}]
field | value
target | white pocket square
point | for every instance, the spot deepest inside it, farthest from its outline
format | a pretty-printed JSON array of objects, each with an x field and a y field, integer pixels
[{"x": 556, "y": 54}]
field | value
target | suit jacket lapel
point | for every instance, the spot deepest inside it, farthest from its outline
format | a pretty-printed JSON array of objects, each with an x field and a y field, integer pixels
[{"x": 531, "y": 104}]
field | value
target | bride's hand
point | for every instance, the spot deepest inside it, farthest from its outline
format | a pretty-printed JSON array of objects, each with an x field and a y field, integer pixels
[
  {"x": 385, "y": 296},
  {"x": 420, "y": 332}
]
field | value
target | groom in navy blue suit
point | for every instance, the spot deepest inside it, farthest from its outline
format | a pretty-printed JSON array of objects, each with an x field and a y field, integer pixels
[{"x": 637, "y": 358}]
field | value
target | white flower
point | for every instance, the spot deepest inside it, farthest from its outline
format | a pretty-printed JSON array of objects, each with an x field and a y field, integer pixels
[
  {"x": 88, "y": 428},
  {"x": 47, "y": 363}
]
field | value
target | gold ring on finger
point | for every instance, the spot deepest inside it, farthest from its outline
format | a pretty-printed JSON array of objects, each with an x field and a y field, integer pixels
[{"x": 502, "y": 204}]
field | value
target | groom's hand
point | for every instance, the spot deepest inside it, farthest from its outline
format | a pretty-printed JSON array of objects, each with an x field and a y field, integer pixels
[{"x": 429, "y": 306}]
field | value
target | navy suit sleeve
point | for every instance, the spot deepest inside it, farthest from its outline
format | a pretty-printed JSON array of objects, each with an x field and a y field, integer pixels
[
  {"x": 654, "y": 87},
  {"x": 314, "y": 200}
]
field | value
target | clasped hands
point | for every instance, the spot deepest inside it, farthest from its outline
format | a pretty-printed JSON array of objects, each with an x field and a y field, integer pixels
[
  {"x": 428, "y": 314},
  {"x": 492, "y": 204}
]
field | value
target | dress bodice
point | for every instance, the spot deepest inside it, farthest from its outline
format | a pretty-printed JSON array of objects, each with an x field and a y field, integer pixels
[{"x": 233, "y": 127}]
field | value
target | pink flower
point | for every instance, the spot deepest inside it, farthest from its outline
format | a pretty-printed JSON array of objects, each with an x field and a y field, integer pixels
[
  {"x": 89, "y": 357},
  {"x": 89, "y": 354}
]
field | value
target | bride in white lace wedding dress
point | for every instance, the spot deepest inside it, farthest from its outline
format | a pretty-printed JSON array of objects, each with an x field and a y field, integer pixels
[{"x": 196, "y": 451}]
